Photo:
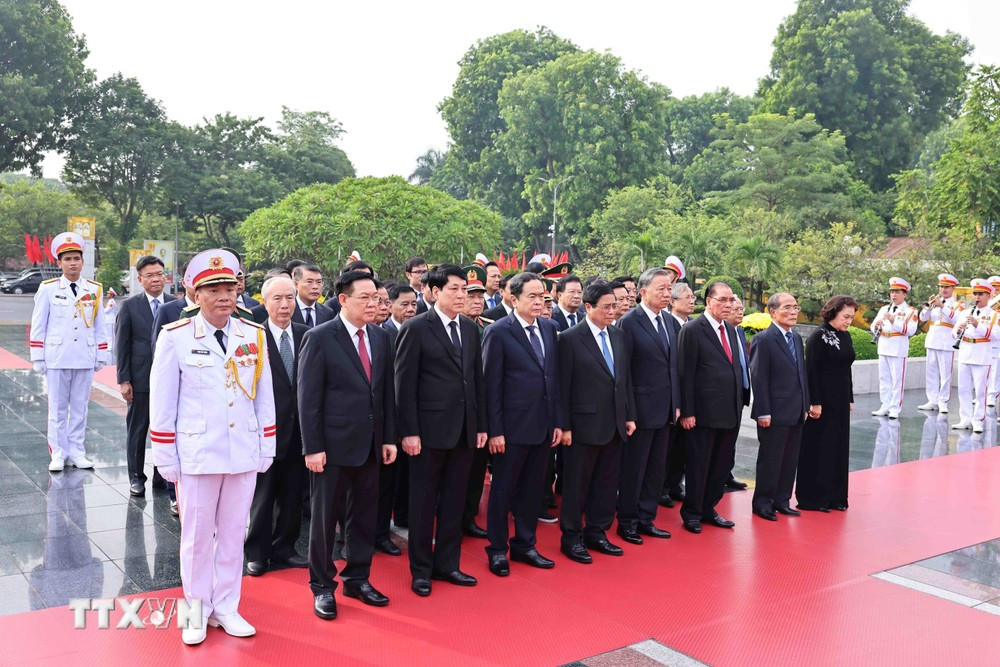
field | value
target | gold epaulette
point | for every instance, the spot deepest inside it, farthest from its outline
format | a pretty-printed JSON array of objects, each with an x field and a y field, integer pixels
[
  {"x": 100, "y": 287},
  {"x": 252, "y": 323},
  {"x": 244, "y": 313},
  {"x": 50, "y": 280},
  {"x": 486, "y": 320},
  {"x": 193, "y": 308},
  {"x": 176, "y": 324}
]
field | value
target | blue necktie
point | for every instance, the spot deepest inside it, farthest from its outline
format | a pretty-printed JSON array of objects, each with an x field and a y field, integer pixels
[
  {"x": 663, "y": 335},
  {"x": 536, "y": 343},
  {"x": 607, "y": 353},
  {"x": 743, "y": 358},
  {"x": 791, "y": 346},
  {"x": 156, "y": 306},
  {"x": 571, "y": 318}
]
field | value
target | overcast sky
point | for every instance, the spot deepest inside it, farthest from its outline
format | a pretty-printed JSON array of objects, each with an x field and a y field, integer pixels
[{"x": 382, "y": 67}]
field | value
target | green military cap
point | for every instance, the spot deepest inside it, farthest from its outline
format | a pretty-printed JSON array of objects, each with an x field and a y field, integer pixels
[
  {"x": 476, "y": 277},
  {"x": 548, "y": 285},
  {"x": 558, "y": 271}
]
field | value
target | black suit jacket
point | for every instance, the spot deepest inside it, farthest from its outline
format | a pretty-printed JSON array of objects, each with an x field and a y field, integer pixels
[
  {"x": 655, "y": 377},
  {"x": 780, "y": 386},
  {"x": 392, "y": 329},
  {"x": 438, "y": 392},
  {"x": 249, "y": 302},
  {"x": 340, "y": 411},
  {"x": 168, "y": 312},
  {"x": 421, "y": 306},
  {"x": 560, "y": 319},
  {"x": 596, "y": 405},
  {"x": 496, "y": 314},
  {"x": 711, "y": 386},
  {"x": 522, "y": 395},
  {"x": 286, "y": 409},
  {"x": 134, "y": 340},
  {"x": 321, "y": 313}
]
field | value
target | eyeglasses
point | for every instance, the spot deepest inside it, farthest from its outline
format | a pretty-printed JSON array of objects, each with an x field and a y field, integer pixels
[
  {"x": 609, "y": 307},
  {"x": 731, "y": 299},
  {"x": 418, "y": 272},
  {"x": 151, "y": 276},
  {"x": 790, "y": 309},
  {"x": 368, "y": 299}
]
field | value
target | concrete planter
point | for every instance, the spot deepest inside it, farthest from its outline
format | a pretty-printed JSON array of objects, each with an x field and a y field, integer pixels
[{"x": 865, "y": 375}]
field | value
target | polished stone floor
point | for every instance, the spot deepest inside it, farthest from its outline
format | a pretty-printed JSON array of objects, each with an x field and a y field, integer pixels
[{"x": 80, "y": 534}]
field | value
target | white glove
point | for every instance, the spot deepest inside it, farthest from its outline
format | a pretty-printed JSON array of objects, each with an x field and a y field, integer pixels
[
  {"x": 265, "y": 463},
  {"x": 39, "y": 366},
  {"x": 98, "y": 365},
  {"x": 170, "y": 473}
]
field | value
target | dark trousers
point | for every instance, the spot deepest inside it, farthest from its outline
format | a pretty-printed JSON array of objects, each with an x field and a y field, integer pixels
[
  {"x": 708, "y": 455},
  {"x": 674, "y": 469},
  {"x": 644, "y": 461},
  {"x": 276, "y": 510},
  {"x": 330, "y": 490},
  {"x": 401, "y": 501},
  {"x": 439, "y": 479},
  {"x": 518, "y": 476},
  {"x": 589, "y": 490},
  {"x": 386, "y": 494},
  {"x": 777, "y": 459},
  {"x": 477, "y": 479},
  {"x": 136, "y": 428}
]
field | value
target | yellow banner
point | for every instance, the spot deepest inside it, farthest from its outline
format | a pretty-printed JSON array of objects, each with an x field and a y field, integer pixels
[{"x": 85, "y": 227}]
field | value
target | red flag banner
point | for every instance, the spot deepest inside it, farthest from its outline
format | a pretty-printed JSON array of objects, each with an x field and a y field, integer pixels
[
  {"x": 27, "y": 248},
  {"x": 47, "y": 248},
  {"x": 39, "y": 255}
]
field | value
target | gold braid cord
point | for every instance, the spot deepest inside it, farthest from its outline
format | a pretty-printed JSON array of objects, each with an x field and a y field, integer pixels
[
  {"x": 257, "y": 371},
  {"x": 83, "y": 312}
]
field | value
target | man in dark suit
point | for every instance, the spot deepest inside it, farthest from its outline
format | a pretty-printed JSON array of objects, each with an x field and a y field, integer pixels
[
  {"x": 522, "y": 391},
  {"x": 741, "y": 337},
  {"x": 441, "y": 407},
  {"x": 425, "y": 294},
  {"x": 780, "y": 406},
  {"x": 171, "y": 312},
  {"x": 134, "y": 359},
  {"x": 569, "y": 295},
  {"x": 275, "y": 513},
  {"x": 309, "y": 286},
  {"x": 595, "y": 382},
  {"x": 348, "y": 422},
  {"x": 712, "y": 401},
  {"x": 415, "y": 270},
  {"x": 504, "y": 308},
  {"x": 651, "y": 343}
]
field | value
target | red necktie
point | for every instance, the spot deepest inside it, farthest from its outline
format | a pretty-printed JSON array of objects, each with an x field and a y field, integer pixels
[
  {"x": 725, "y": 342},
  {"x": 363, "y": 353}
]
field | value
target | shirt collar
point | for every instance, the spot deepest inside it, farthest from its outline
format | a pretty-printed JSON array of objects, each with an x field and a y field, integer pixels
[
  {"x": 188, "y": 301},
  {"x": 594, "y": 329},
  {"x": 351, "y": 329},
  {"x": 524, "y": 323},
  {"x": 395, "y": 322},
  {"x": 711, "y": 320},
  {"x": 276, "y": 331},
  {"x": 445, "y": 321},
  {"x": 150, "y": 298},
  {"x": 650, "y": 314},
  {"x": 782, "y": 329},
  {"x": 212, "y": 329},
  {"x": 301, "y": 304}
]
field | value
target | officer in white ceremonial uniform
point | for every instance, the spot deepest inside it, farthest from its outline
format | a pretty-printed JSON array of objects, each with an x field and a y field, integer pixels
[
  {"x": 941, "y": 312},
  {"x": 68, "y": 342},
  {"x": 994, "y": 386},
  {"x": 978, "y": 328},
  {"x": 895, "y": 323},
  {"x": 212, "y": 426}
]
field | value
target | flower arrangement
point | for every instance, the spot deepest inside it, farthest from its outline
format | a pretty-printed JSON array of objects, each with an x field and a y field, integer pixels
[{"x": 756, "y": 322}]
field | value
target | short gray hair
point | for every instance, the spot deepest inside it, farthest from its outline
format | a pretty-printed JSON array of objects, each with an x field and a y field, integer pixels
[
  {"x": 302, "y": 268},
  {"x": 678, "y": 290},
  {"x": 774, "y": 301},
  {"x": 274, "y": 282},
  {"x": 647, "y": 276}
]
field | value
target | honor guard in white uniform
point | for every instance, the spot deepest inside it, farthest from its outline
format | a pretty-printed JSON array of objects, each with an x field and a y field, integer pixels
[
  {"x": 673, "y": 263},
  {"x": 68, "y": 342},
  {"x": 994, "y": 386},
  {"x": 942, "y": 311},
  {"x": 893, "y": 326},
  {"x": 977, "y": 329},
  {"x": 212, "y": 426}
]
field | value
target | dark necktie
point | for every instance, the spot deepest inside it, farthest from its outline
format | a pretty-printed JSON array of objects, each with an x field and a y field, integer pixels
[
  {"x": 661, "y": 330},
  {"x": 791, "y": 346},
  {"x": 309, "y": 317},
  {"x": 725, "y": 343},
  {"x": 285, "y": 350},
  {"x": 72, "y": 286},
  {"x": 218, "y": 337},
  {"x": 571, "y": 318},
  {"x": 536, "y": 344},
  {"x": 456, "y": 343},
  {"x": 363, "y": 353}
]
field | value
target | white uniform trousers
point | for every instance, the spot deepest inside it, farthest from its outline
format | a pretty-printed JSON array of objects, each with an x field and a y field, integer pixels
[
  {"x": 213, "y": 513},
  {"x": 886, "y": 452},
  {"x": 991, "y": 392},
  {"x": 69, "y": 396},
  {"x": 891, "y": 375},
  {"x": 939, "y": 365},
  {"x": 972, "y": 384}
]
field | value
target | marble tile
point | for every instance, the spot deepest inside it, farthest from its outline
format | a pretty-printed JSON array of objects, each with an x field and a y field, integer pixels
[
  {"x": 31, "y": 502},
  {"x": 34, "y": 527},
  {"x": 966, "y": 568},
  {"x": 948, "y": 582},
  {"x": 69, "y": 552},
  {"x": 55, "y": 587},
  {"x": 153, "y": 572},
  {"x": 110, "y": 517},
  {"x": 8, "y": 565},
  {"x": 16, "y": 483},
  {"x": 137, "y": 541},
  {"x": 15, "y": 594}
]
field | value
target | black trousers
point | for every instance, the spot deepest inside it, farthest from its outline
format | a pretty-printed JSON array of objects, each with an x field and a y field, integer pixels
[
  {"x": 589, "y": 489},
  {"x": 401, "y": 500},
  {"x": 330, "y": 490},
  {"x": 276, "y": 510},
  {"x": 644, "y": 460},
  {"x": 674, "y": 468},
  {"x": 777, "y": 460},
  {"x": 439, "y": 479},
  {"x": 477, "y": 479},
  {"x": 136, "y": 429},
  {"x": 386, "y": 494},
  {"x": 708, "y": 455},
  {"x": 518, "y": 477}
]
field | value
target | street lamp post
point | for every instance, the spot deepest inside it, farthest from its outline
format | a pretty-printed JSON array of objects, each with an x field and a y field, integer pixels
[{"x": 555, "y": 204}]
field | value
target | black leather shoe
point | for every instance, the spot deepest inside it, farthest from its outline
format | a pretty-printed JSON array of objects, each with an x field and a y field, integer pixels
[
  {"x": 719, "y": 521},
  {"x": 366, "y": 593},
  {"x": 552, "y": 504},
  {"x": 255, "y": 568},
  {"x": 840, "y": 507},
  {"x": 473, "y": 530},
  {"x": 630, "y": 535},
  {"x": 499, "y": 565},
  {"x": 325, "y": 606},
  {"x": 173, "y": 508},
  {"x": 604, "y": 547},
  {"x": 692, "y": 526},
  {"x": 421, "y": 587},
  {"x": 457, "y": 577},
  {"x": 787, "y": 511},
  {"x": 679, "y": 497},
  {"x": 818, "y": 508},
  {"x": 534, "y": 559},
  {"x": 652, "y": 531},
  {"x": 294, "y": 560},
  {"x": 735, "y": 485},
  {"x": 578, "y": 553},
  {"x": 770, "y": 516},
  {"x": 666, "y": 501},
  {"x": 387, "y": 546},
  {"x": 137, "y": 488},
  {"x": 158, "y": 481}
]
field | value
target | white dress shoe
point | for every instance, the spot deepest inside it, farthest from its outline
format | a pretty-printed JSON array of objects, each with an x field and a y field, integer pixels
[
  {"x": 192, "y": 636},
  {"x": 56, "y": 464},
  {"x": 928, "y": 406},
  {"x": 991, "y": 404},
  {"x": 893, "y": 415},
  {"x": 943, "y": 408},
  {"x": 81, "y": 462},
  {"x": 233, "y": 624},
  {"x": 977, "y": 427},
  {"x": 879, "y": 413},
  {"x": 962, "y": 425}
]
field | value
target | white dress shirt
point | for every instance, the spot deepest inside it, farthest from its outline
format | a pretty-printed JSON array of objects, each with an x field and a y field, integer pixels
[
  {"x": 715, "y": 327},
  {"x": 597, "y": 337},
  {"x": 276, "y": 331},
  {"x": 524, "y": 327},
  {"x": 302, "y": 309},
  {"x": 446, "y": 322},
  {"x": 578, "y": 314},
  {"x": 353, "y": 333}
]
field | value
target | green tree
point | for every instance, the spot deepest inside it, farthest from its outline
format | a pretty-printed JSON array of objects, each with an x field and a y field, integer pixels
[
  {"x": 472, "y": 113},
  {"x": 304, "y": 152},
  {"x": 868, "y": 69},
  {"x": 822, "y": 263},
  {"x": 386, "y": 219},
  {"x": 757, "y": 260},
  {"x": 32, "y": 207},
  {"x": 42, "y": 76},
  {"x": 117, "y": 151},
  {"x": 691, "y": 121},
  {"x": 427, "y": 164}
]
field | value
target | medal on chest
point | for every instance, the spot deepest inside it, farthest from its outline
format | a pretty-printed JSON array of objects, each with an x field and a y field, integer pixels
[
  {"x": 85, "y": 303},
  {"x": 246, "y": 355}
]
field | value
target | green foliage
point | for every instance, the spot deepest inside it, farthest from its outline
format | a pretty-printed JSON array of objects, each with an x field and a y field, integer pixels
[
  {"x": 42, "y": 76},
  {"x": 821, "y": 263},
  {"x": 303, "y": 151},
  {"x": 691, "y": 121},
  {"x": 862, "y": 341},
  {"x": 32, "y": 207},
  {"x": 866, "y": 68},
  {"x": 758, "y": 260},
  {"x": 387, "y": 220},
  {"x": 729, "y": 280},
  {"x": 917, "y": 348}
]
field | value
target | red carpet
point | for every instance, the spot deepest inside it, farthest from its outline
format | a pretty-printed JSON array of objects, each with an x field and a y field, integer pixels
[{"x": 793, "y": 593}]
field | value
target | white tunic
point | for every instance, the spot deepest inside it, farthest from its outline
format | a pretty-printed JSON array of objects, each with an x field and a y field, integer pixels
[
  {"x": 942, "y": 320},
  {"x": 895, "y": 338},
  {"x": 977, "y": 342},
  {"x": 68, "y": 331}
]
